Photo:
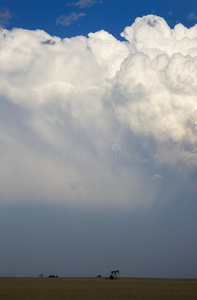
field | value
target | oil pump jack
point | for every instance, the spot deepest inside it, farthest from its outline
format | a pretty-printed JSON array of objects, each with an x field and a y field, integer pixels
[{"x": 114, "y": 274}]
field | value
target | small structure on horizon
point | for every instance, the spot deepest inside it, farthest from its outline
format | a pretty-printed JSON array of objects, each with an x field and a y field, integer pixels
[
  {"x": 114, "y": 274},
  {"x": 53, "y": 276}
]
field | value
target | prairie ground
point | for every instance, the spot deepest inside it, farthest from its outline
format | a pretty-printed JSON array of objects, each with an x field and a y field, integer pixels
[{"x": 97, "y": 289}]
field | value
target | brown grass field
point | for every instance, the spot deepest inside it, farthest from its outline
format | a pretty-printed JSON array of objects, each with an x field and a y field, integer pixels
[{"x": 97, "y": 288}]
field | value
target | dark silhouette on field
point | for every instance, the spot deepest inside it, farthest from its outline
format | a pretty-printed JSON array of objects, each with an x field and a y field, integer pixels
[{"x": 114, "y": 275}]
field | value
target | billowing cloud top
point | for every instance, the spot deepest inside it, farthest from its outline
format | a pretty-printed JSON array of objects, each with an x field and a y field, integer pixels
[{"x": 75, "y": 112}]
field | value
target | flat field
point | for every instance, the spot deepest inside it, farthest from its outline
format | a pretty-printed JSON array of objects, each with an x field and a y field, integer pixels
[{"x": 97, "y": 289}]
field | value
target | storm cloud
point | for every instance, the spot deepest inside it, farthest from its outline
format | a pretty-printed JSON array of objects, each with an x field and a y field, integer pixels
[{"x": 91, "y": 120}]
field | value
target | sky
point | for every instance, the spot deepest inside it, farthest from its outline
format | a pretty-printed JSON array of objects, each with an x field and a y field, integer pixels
[{"x": 98, "y": 138}]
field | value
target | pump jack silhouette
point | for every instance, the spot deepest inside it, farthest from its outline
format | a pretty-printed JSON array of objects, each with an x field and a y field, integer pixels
[{"x": 114, "y": 274}]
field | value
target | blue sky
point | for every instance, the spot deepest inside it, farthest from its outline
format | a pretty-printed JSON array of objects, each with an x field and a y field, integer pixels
[
  {"x": 112, "y": 16},
  {"x": 98, "y": 138}
]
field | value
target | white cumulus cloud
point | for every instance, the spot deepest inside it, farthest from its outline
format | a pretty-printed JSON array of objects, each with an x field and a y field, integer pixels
[{"x": 66, "y": 102}]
